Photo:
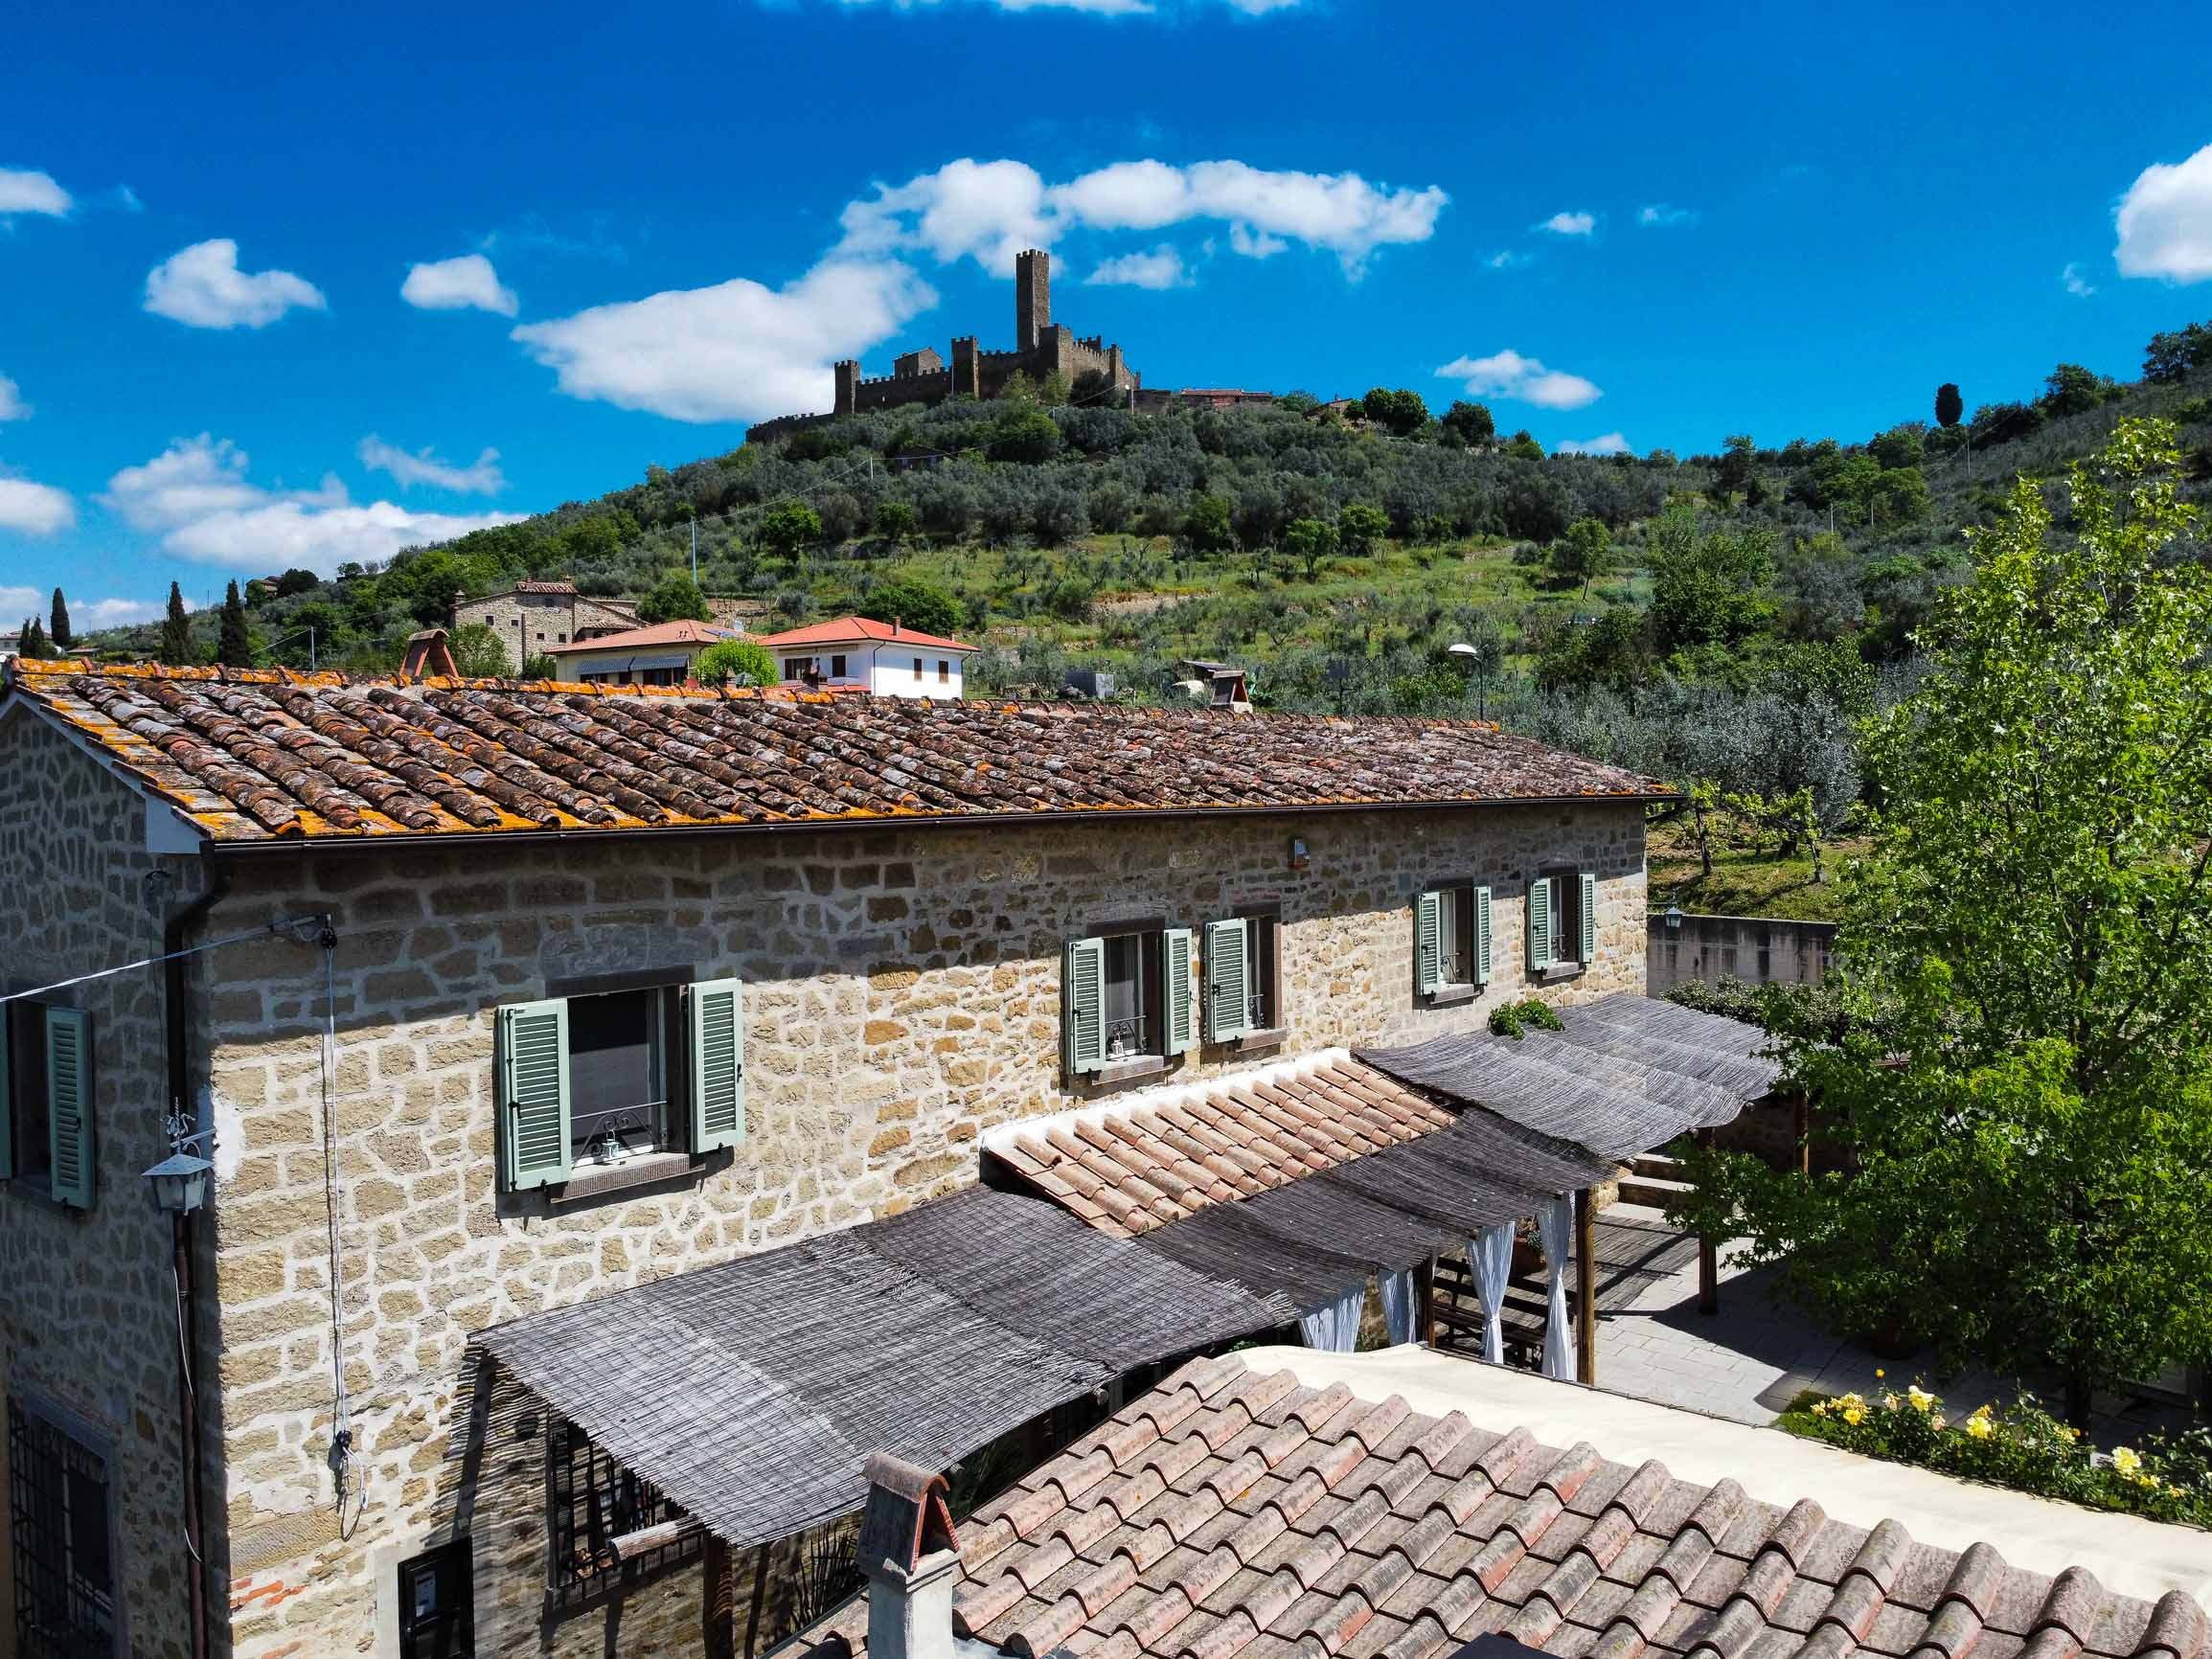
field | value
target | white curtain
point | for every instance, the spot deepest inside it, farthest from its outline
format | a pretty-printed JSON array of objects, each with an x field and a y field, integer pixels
[
  {"x": 1556, "y": 1222},
  {"x": 1490, "y": 1252},
  {"x": 1333, "y": 1326},
  {"x": 1398, "y": 1305}
]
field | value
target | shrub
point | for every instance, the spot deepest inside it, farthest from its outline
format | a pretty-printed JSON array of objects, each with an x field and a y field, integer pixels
[
  {"x": 2024, "y": 1447},
  {"x": 742, "y": 661},
  {"x": 1514, "y": 1019}
]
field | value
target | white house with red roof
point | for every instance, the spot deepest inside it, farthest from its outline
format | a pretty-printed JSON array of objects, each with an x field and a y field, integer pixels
[
  {"x": 885, "y": 658},
  {"x": 660, "y": 655}
]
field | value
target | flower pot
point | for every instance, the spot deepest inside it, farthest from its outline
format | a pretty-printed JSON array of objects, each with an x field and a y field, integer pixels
[{"x": 1527, "y": 1258}]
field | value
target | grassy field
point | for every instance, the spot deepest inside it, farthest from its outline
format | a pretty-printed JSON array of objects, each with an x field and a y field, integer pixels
[{"x": 1745, "y": 882}]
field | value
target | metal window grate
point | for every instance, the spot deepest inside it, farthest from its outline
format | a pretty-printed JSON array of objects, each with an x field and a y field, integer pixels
[
  {"x": 58, "y": 1518},
  {"x": 591, "y": 1500}
]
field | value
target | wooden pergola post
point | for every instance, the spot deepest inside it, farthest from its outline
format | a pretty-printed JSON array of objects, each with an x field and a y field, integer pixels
[
  {"x": 718, "y": 1610},
  {"x": 1708, "y": 1256},
  {"x": 1425, "y": 1302},
  {"x": 1585, "y": 1290}
]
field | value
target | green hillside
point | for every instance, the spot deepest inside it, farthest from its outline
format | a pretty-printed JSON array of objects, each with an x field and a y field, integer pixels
[{"x": 1720, "y": 616}]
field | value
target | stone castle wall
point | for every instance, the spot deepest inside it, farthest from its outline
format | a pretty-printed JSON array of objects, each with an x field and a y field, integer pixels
[
  {"x": 88, "y": 1317},
  {"x": 903, "y": 996}
]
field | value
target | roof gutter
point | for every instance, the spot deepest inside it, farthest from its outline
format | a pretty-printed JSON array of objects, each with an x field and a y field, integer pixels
[{"x": 342, "y": 843}]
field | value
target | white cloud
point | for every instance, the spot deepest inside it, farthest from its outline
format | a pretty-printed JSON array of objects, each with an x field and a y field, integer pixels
[
  {"x": 1160, "y": 267},
  {"x": 1579, "y": 223},
  {"x": 1611, "y": 444},
  {"x": 2165, "y": 221},
  {"x": 23, "y": 191},
  {"x": 990, "y": 211},
  {"x": 423, "y": 466},
  {"x": 2075, "y": 283},
  {"x": 734, "y": 352},
  {"x": 1658, "y": 216},
  {"x": 1524, "y": 380},
  {"x": 1509, "y": 259},
  {"x": 202, "y": 286},
  {"x": 18, "y": 602},
  {"x": 466, "y": 283},
  {"x": 34, "y": 508},
  {"x": 11, "y": 404},
  {"x": 128, "y": 200},
  {"x": 196, "y": 496}
]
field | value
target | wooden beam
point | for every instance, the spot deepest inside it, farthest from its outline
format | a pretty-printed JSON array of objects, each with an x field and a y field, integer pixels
[
  {"x": 632, "y": 1544},
  {"x": 717, "y": 1606},
  {"x": 1425, "y": 1302},
  {"x": 1585, "y": 1290},
  {"x": 1708, "y": 1256}
]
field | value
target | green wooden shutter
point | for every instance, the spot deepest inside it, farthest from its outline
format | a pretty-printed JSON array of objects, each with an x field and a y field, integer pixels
[
  {"x": 1540, "y": 925},
  {"x": 1082, "y": 1005},
  {"x": 1482, "y": 935},
  {"x": 69, "y": 1104},
  {"x": 1428, "y": 942},
  {"x": 714, "y": 1010},
  {"x": 7, "y": 1123},
  {"x": 534, "y": 1093},
  {"x": 1587, "y": 915},
  {"x": 1228, "y": 981},
  {"x": 1179, "y": 1018}
]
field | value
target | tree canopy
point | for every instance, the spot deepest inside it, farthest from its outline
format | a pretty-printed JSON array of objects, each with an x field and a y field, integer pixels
[
  {"x": 914, "y": 604},
  {"x": 738, "y": 662},
  {"x": 674, "y": 598}
]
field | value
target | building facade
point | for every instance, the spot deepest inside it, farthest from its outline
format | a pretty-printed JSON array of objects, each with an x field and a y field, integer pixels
[
  {"x": 661, "y": 656},
  {"x": 505, "y": 1037},
  {"x": 859, "y": 653},
  {"x": 536, "y": 617}
]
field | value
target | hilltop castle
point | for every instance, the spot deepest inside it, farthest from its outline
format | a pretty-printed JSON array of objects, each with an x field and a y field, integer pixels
[{"x": 1041, "y": 348}]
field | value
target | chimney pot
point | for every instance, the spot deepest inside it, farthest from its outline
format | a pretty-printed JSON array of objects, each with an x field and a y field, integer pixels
[{"x": 911, "y": 1556}]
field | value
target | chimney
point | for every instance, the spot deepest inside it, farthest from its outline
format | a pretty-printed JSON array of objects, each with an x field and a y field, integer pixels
[{"x": 910, "y": 1557}]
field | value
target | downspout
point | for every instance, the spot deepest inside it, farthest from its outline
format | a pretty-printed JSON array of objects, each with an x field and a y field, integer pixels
[{"x": 175, "y": 934}]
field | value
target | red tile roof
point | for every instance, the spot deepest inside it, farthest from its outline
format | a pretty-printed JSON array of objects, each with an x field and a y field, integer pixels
[
  {"x": 543, "y": 587},
  {"x": 669, "y": 633},
  {"x": 1128, "y": 1172},
  {"x": 1230, "y": 1514},
  {"x": 865, "y": 630},
  {"x": 258, "y": 755}
]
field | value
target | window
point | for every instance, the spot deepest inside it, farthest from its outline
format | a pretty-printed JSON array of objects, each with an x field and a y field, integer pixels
[
  {"x": 944, "y": 672},
  {"x": 605, "y": 1076},
  {"x": 46, "y": 1139},
  {"x": 917, "y": 667},
  {"x": 1562, "y": 921},
  {"x": 63, "y": 1555},
  {"x": 796, "y": 667},
  {"x": 1127, "y": 996},
  {"x": 437, "y": 1603},
  {"x": 1452, "y": 945},
  {"x": 1241, "y": 961},
  {"x": 591, "y": 1502},
  {"x": 837, "y": 667}
]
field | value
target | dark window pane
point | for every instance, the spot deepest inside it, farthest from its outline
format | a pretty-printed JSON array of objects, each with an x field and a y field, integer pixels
[
  {"x": 617, "y": 1071},
  {"x": 28, "y": 1115},
  {"x": 1129, "y": 1028}
]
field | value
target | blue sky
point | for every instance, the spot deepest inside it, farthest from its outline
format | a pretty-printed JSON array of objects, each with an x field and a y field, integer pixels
[{"x": 289, "y": 286}]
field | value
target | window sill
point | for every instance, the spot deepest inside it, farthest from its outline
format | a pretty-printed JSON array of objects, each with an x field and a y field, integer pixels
[
  {"x": 35, "y": 1192},
  {"x": 1560, "y": 970},
  {"x": 1252, "y": 1041},
  {"x": 645, "y": 1170},
  {"x": 1118, "y": 1072},
  {"x": 1452, "y": 995}
]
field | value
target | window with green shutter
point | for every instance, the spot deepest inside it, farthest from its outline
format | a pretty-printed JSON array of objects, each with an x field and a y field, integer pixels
[
  {"x": 1082, "y": 1005},
  {"x": 1180, "y": 990},
  {"x": 1428, "y": 942},
  {"x": 69, "y": 1106},
  {"x": 1587, "y": 915},
  {"x": 1229, "y": 985},
  {"x": 1540, "y": 924},
  {"x": 534, "y": 1093},
  {"x": 1481, "y": 933},
  {"x": 714, "y": 1013}
]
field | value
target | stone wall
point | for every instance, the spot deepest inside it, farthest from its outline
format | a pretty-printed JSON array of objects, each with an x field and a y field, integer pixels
[
  {"x": 1757, "y": 949},
  {"x": 534, "y": 622},
  {"x": 88, "y": 1317}
]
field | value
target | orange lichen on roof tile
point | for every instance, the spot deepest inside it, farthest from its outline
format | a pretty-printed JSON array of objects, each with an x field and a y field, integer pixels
[{"x": 256, "y": 754}]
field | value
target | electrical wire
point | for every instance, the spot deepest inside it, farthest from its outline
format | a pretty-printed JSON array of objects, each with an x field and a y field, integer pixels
[
  {"x": 288, "y": 925},
  {"x": 190, "y": 1394},
  {"x": 341, "y": 1456}
]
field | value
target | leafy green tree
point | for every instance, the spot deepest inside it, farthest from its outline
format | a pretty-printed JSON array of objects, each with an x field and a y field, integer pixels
[
  {"x": 1054, "y": 390},
  {"x": 1583, "y": 554},
  {"x": 2021, "y": 1097},
  {"x": 1523, "y": 446},
  {"x": 1949, "y": 405},
  {"x": 1361, "y": 526},
  {"x": 296, "y": 581},
  {"x": 1733, "y": 471},
  {"x": 1899, "y": 446},
  {"x": 674, "y": 598},
  {"x": 1472, "y": 421},
  {"x": 1025, "y": 434},
  {"x": 1402, "y": 412},
  {"x": 896, "y": 522},
  {"x": 736, "y": 662},
  {"x": 913, "y": 605},
  {"x": 2176, "y": 355},
  {"x": 31, "y": 642},
  {"x": 176, "y": 646},
  {"x": 1607, "y": 652},
  {"x": 1206, "y": 525},
  {"x": 233, "y": 643},
  {"x": 787, "y": 529},
  {"x": 57, "y": 627},
  {"x": 594, "y": 537},
  {"x": 538, "y": 665},
  {"x": 479, "y": 653},
  {"x": 1311, "y": 541},
  {"x": 1708, "y": 584},
  {"x": 2071, "y": 389}
]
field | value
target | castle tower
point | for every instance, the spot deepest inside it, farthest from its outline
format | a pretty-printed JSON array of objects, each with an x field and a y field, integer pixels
[
  {"x": 967, "y": 366},
  {"x": 1031, "y": 297},
  {"x": 848, "y": 374}
]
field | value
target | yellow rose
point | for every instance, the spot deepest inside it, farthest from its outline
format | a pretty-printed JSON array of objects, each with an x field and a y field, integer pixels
[
  {"x": 2127, "y": 1461},
  {"x": 1819, "y": 1408},
  {"x": 1980, "y": 1426},
  {"x": 1880, "y": 1373},
  {"x": 1852, "y": 1414},
  {"x": 1921, "y": 1398}
]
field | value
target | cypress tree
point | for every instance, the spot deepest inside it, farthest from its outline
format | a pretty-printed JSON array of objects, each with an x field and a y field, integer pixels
[
  {"x": 1948, "y": 405},
  {"x": 176, "y": 646},
  {"x": 59, "y": 629},
  {"x": 233, "y": 647},
  {"x": 32, "y": 645}
]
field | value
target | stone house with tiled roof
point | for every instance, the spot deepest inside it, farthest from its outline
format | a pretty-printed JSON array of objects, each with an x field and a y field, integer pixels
[{"x": 495, "y": 998}]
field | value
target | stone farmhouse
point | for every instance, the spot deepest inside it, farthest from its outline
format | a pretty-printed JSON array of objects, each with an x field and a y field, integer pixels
[
  {"x": 538, "y": 618},
  {"x": 1042, "y": 349},
  {"x": 496, "y": 1009}
]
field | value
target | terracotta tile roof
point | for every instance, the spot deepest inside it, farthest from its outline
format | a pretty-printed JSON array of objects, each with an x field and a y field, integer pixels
[
  {"x": 543, "y": 587},
  {"x": 684, "y": 632},
  {"x": 252, "y": 756},
  {"x": 1230, "y": 1514},
  {"x": 859, "y": 628},
  {"x": 1129, "y": 1172}
]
